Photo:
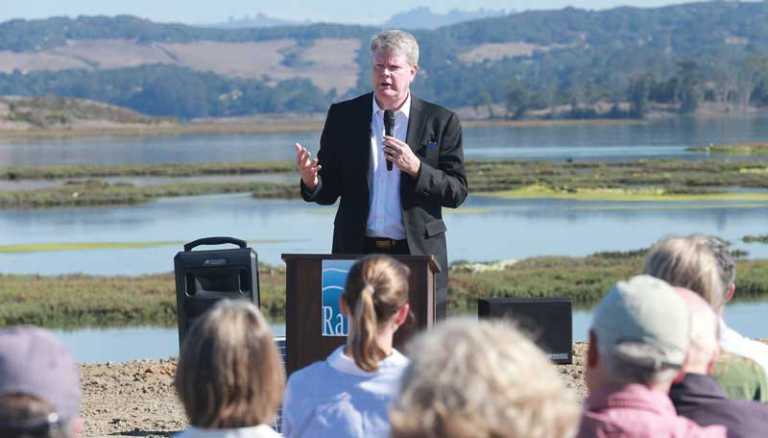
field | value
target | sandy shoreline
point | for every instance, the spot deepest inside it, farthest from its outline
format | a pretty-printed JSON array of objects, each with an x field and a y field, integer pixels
[{"x": 137, "y": 398}]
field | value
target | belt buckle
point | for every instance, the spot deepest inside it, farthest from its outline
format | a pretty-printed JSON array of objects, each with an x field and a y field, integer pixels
[{"x": 384, "y": 244}]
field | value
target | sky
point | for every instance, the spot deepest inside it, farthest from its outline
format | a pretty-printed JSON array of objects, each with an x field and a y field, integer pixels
[{"x": 339, "y": 11}]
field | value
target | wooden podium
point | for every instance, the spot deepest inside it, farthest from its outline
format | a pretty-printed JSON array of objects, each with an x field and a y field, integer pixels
[{"x": 304, "y": 308}]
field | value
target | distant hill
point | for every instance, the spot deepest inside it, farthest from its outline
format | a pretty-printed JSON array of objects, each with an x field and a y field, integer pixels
[
  {"x": 259, "y": 20},
  {"x": 674, "y": 56},
  {"x": 417, "y": 18},
  {"x": 424, "y": 18},
  {"x": 47, "y": 112}
]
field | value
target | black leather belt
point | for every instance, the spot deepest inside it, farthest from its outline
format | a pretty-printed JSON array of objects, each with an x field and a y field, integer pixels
[{"x": 383, "y": 244}]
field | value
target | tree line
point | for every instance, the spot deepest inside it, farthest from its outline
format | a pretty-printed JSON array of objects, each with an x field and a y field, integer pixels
[{"x": 633, "y": 58}]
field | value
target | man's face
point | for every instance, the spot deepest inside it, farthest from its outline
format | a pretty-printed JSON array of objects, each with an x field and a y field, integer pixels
[{"x": 392, "y": 76}]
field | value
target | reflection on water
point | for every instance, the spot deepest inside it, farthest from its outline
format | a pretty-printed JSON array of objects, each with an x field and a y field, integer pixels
[
  {"x": 98, "y": 345},
  {"x": 661, "y": 138},
  {"x": 123, "y": 344},
  {"x": 482, "y": 229}
]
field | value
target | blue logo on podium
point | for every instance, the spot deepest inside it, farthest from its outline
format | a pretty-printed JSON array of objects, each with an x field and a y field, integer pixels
[{"x": 333, "y": 281}]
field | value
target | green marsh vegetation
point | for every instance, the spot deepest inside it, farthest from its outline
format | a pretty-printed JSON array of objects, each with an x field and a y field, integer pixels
[
  {"x": 171, "y": 169},
  {"x": 72, "y": 301},
  {"x": 97, "y": 192},
  {"x": 761, "y": 238},
  {"x": 643, "y": 180},
  {"x": 733, "y": 149}
]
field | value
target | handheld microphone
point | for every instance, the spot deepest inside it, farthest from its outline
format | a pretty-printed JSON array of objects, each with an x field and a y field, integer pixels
[{"x": 389, "y": 125}]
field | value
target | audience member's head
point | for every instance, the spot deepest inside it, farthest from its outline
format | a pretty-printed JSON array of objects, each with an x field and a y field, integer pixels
[
  {"x": 473, "y": 378},
  {"x": 640, "y": 334},
  {"x": 698, "y": 263},
  {"x": 230, "y": 374},
  {"x": 704, "y": 348},
  {"x": 39, "y": 386},
  {"x": 376, "y": 299}
]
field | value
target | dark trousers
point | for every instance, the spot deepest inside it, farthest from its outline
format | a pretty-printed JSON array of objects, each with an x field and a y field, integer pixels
[{"x": 377, "y": 245}]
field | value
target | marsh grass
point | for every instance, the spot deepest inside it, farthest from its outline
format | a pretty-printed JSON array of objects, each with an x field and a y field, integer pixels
[
  {"x": 170, "y": 169},
  {"x": 733, "y": 149},
  {"x": 72, "y": 301},
  {"x": 762, "y": 238},
  {"x": 90, "y": 193},
  {"x": 639, "y": 180}
]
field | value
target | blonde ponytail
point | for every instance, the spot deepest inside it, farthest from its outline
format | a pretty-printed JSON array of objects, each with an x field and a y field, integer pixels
[
  {"x": 377, "y": 287},
  {"x": 363, "y": 337}
]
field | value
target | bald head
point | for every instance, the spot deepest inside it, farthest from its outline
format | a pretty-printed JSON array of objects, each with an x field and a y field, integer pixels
[{"x": 704, "y": 347}]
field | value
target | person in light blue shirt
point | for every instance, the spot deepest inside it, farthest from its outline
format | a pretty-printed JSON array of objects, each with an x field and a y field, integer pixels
[{"x": 348, "y": 394}]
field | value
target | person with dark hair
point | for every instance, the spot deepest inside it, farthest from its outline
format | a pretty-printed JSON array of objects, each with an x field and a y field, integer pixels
[
  {"x": 230, "y": 377},
  {"x": 348, "y": 394},
  {"x": 39, "y": 386}
]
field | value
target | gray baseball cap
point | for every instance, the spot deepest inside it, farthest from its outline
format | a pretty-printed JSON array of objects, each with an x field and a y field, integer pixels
[
  {"x": 645, "y": 322},
  {"x": 33, "y": 362}
]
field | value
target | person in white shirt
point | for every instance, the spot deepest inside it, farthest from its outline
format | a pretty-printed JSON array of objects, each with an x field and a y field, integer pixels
[
  {"x": 348, "y": 394},
  {"x": 704, "y": 265},
  {"x": 230, "y": 378}
]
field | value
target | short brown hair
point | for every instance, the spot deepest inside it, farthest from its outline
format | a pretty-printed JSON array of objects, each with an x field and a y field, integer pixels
[
  {"x": 377, "y": 287},
  {"x": 28, "y": 416},
  {"x": 230, "y": 373}
]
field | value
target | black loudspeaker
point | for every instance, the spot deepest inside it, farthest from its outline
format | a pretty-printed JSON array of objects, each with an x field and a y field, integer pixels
[
  {"x": 548, "y": 321},
  {"x": 204, "y": 277}
]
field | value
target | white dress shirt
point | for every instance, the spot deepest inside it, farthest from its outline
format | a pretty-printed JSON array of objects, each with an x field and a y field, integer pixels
[
  {"x": 385, "y": 217},
  {"x": 335, "y": 398}
]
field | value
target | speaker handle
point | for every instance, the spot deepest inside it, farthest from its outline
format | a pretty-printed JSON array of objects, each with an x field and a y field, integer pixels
[{"x": 219, "y": 240}]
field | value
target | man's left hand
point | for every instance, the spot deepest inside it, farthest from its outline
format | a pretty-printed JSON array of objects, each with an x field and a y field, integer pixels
[{"x": 401, "y": 155}]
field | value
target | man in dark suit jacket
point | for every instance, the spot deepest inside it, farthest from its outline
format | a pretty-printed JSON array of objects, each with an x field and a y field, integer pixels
[
  {"x": 394, "y": 211},
  {"x": 697, "y": 395}
]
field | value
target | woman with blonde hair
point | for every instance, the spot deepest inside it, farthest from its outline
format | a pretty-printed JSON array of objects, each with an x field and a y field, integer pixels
[
  {"x": 348, "y": 394},
  {"x": 230, "y": 377},
  {"x": 704, "y": 265}
]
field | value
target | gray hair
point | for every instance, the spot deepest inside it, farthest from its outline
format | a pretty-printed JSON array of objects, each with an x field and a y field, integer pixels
[
  {"x": 624, "y": 367},
  {"x": 470, "y": 378},
  {"x": 397, "y": 42},
  {"x": 725, "y": 262},
  {"x": 697, "y": 262}
]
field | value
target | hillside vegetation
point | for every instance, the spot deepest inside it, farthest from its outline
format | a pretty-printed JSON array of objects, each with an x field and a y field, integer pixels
[
  {"x": 48, "y": 112},
  {"x": 628, "y": 59}
]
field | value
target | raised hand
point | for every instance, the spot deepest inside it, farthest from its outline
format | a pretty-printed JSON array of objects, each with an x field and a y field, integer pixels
[{"x": 307, "y": 166}]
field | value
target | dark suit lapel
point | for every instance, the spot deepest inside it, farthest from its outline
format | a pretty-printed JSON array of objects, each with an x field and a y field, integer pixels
[
  {"x": 416, "y": 121},
  {"x": 362, "y": 141}
]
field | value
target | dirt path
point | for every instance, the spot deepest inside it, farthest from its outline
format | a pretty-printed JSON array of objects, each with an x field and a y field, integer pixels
[{"x": 137, "y": 399}]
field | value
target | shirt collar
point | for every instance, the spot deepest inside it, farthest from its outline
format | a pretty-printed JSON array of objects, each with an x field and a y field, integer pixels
[
  {"x": 345, "y": 364},
  {"x": 405, "y": 108},
  {"x": 634, "y": 396}
]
